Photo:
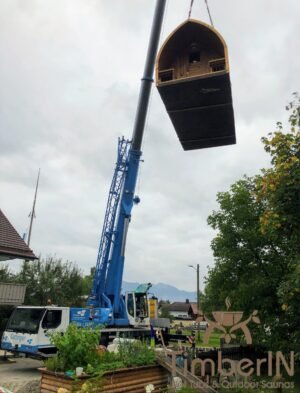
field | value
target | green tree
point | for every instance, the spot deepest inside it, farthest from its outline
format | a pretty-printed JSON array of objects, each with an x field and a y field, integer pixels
[
  {"x": 165, "y": 313},
  {"x": 52, "y": 279},
  {"x": 278, "y": 187},
  {"x": 163, "y": 306},
  {"x": 88, "y": 282},
  {"x": 5, "y": 274},
  {"x": 257, "y": 247}
]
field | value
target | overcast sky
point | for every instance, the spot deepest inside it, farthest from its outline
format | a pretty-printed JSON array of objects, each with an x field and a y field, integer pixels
[{"x": 69, "y": 80}]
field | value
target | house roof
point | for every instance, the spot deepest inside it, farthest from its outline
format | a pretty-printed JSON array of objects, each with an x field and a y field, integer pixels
[
  {"x": 11, "y": 244},
  {"x": 195, "y": 308},
  {"x": 184, "y": 307},
  {"x": 180, "y": 306}
]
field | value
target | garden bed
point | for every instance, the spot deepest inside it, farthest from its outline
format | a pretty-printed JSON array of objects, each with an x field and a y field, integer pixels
[{"x": 131, "y": 380}]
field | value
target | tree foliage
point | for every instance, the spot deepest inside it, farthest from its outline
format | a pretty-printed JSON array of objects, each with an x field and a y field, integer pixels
[
  {"x": 278, "y": 187},
  {"x": 52, "y": 279},
  {"x": 257, "y": 247},
  {"x": 5, "y": 274}
]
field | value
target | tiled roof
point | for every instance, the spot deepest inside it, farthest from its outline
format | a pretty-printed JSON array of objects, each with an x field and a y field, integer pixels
[
  {"x": 11, "y": 244},
  {"x": 183, "y": 306},
  {"x": 195, "y": 308},
  {"x": 179, "y": 306}
]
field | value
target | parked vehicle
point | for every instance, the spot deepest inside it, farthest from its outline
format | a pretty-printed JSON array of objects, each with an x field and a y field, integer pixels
[{"x": 201, "y": 325}]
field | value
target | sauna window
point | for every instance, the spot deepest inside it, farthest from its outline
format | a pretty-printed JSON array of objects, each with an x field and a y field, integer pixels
[
  {"x": 194, "y": 53},
  {"x": 166, "y": 75},
  {"x": 194, "y": 57},
  {"x": 217, "y": 65}
]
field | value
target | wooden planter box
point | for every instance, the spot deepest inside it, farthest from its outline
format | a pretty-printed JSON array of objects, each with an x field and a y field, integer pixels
[{"x": 131, "y": 380}]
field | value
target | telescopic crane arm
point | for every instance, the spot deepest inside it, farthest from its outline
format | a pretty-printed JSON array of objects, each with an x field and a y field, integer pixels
[{"x": 106, "y": 291}]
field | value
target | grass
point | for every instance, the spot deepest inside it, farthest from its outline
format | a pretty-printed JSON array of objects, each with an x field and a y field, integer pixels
[{"x": 214, "y": 339}]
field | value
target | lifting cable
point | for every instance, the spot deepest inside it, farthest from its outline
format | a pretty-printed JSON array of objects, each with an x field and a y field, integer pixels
[
  {"x": 190, "y": 11},
  {"x": 208, "y": 11}
]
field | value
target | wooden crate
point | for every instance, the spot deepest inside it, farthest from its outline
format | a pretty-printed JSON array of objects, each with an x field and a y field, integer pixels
[{"x": 131, "y": 380}]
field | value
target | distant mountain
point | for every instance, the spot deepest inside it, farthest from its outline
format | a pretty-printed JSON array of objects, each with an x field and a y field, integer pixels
[{"x": 163, "y": 292}]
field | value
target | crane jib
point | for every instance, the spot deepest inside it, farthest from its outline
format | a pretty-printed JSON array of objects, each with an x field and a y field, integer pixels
[{"x": 106, "y": 291}]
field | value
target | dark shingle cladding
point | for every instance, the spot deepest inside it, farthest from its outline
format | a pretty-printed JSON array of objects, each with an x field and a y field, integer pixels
[{"x": 11, "y": 244}]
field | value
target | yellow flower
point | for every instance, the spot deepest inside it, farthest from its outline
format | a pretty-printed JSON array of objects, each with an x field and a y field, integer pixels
[{"x": 84, "y": 387}]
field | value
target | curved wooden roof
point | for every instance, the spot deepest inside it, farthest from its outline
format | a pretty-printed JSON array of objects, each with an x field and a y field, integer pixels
[
  {"x": 193, "y": 80},
  {"x": 184, "y": 35}
]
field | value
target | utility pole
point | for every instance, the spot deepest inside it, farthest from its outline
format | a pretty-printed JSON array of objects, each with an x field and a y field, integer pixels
[
  {"x": 32, "y": 213},
  {"x": 198, "y": 299},
  {"x": 198, "y": 295}
]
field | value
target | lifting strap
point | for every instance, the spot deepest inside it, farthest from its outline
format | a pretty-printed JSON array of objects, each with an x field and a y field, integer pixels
[
  {"x": 208, "y": 11},
  {"x": 190, "y": 11}
]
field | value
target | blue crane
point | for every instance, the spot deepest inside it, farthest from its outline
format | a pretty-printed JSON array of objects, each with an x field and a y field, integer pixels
[
  {"x": 106, "y": 305},
  {"x": 106, "y": 290}
]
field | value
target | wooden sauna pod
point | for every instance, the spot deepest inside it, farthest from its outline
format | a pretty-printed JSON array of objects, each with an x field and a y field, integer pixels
[{"x": 192, "y": 77}]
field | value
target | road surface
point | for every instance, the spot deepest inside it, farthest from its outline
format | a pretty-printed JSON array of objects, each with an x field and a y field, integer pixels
[{"x": 14, "y": 375}]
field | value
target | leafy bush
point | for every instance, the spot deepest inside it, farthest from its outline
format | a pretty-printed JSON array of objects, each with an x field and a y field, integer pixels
[
  {"x": 108, "y": 361},
  {"x": 136, "y": 353},
  {"x": 54, "y": 364},
  {"x": 75, "y": 348}
]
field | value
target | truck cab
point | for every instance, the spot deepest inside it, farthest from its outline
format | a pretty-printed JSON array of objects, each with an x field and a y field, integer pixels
[
  {"x": 137, "y": 309},
  {"x": 28, "y": 329}
]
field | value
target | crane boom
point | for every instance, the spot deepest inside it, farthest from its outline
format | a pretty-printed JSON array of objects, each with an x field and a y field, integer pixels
[
  {"x": 108, "y": 231},
  {"x": 106, "y": 291}
]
